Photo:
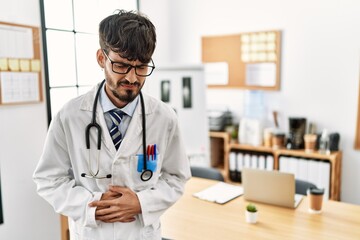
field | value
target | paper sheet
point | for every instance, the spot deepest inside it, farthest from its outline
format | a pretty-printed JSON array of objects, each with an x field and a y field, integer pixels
[
  {"x": 261, "y": 74},
  {"x": 24, "y": 65},
  {"x": 19, "y": 87},
  {"x": 216, "y": 73},
  {"x": 4, "y": 64},
  {"x": 18, "y": 42},
  {"x": 220, "y": 193}
]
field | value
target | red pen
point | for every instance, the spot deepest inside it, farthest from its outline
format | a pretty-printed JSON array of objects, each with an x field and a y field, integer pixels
[{"x": 148, "y": 153}]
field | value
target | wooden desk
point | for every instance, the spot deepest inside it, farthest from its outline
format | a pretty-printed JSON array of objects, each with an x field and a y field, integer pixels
[{"x": 192, "y": 218}]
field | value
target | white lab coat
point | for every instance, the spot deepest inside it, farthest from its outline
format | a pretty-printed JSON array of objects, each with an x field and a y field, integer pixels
[{"x": 65, "y": 157}]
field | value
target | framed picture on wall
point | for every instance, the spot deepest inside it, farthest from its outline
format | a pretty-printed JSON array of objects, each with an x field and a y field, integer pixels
[
  {"x": 165, "y": 90},
  {"x": 187, "y": 101}
]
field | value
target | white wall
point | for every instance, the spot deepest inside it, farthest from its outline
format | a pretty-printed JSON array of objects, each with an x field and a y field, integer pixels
[
  {"x": 197, "y": 145},
  {"x": 319, "y": 66},
  {"x": 320, "y": 75},
  {"x": 22, "y": 134}
]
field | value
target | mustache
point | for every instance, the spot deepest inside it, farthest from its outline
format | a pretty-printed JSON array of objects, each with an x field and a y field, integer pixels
[{"x": 127, "y": 83}]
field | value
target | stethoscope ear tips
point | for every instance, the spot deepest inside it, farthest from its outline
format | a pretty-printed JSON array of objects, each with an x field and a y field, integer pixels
[
  {"x": 83, "y": 174},
  {"x": 108, "y": 176}
]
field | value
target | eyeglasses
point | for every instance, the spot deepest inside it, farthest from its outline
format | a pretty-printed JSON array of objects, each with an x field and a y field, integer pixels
[{"x": 123, "y": 68}]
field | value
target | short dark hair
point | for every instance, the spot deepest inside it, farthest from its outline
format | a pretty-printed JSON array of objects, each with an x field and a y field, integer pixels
[{"x": 128, "y": 33}]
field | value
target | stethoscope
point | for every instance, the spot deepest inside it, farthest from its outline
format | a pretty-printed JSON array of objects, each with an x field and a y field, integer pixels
[{"x": 146, "y": 173}]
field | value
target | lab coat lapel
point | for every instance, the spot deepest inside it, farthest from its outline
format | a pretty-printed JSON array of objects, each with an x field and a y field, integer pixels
[
  {"x": 105, "y": 135},
  {"x": 87, "y": 105}
]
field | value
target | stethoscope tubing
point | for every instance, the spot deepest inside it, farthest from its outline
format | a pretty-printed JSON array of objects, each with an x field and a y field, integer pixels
[
  {"x": 147, "y": 173},
  {"x": 93, "y": 122}
]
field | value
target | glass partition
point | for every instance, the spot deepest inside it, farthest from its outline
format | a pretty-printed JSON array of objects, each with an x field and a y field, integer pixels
[{"x": 70, "y": 43}]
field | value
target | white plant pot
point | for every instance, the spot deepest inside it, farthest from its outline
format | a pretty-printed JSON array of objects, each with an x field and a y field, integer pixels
[{"x": 251, "y": 217}]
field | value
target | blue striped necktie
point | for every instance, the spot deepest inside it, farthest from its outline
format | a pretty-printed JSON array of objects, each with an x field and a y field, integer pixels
[{"x": 116, "y": 116}]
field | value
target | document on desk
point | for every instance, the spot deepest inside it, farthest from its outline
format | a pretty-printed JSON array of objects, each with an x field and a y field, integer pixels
[{"x": 220, "y": 193}]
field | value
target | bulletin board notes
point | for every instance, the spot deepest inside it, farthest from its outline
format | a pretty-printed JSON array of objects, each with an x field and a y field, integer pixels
[
  {"x": 19, "y": 87},
  {"x": 20, "y": 64},
  {"x": 253, "y": 59}
]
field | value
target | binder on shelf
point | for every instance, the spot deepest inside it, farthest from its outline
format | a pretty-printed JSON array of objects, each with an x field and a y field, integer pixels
[
  {"x": 284, "y": 164},
  {"x": 247, "y": 160},
  {"x": 232, "y": 166},
  {"x": 303, "y": 169},
  {"x": 261, "y": 162},
  {"x": 254, "y": 161},
  {"x": 232, "y": 161},
  {"x": 269, "y": 162},
  {"x": 324, "y": 178},
  {"x": 239, "y": 161},
  {"x": 313, "y": 172},
  {"x": 239, "y": 166},
  {"x": 293, "y": 166}
]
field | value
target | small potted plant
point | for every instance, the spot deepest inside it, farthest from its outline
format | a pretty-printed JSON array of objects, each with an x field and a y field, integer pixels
[{"x": 251, "y": 213}]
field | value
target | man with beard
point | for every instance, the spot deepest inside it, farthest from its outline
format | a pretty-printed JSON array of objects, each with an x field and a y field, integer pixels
[{"x": 113, "y": 159}]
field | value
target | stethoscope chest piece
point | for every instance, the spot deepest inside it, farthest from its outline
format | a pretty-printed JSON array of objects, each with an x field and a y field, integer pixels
[{"x": 146, "y": 175}]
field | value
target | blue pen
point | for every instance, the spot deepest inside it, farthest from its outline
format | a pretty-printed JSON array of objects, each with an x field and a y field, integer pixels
[{"x": 154, "y": 157}]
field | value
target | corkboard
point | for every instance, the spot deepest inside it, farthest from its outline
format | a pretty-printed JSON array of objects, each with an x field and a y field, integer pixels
[
  {"x": 241, "y": 51},
  {"x": 20, "y": 66}
]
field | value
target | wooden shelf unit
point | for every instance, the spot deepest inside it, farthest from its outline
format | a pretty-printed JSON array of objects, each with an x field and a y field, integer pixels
[
  {"x": 334, "y": 159},
  {"x": 219, "y": 142}
]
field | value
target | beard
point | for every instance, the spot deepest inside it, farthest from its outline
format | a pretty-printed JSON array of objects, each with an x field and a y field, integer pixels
[{"x": 126, "y": 95}]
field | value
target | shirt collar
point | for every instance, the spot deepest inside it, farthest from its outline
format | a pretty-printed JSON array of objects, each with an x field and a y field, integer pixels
[{"x": 107, "y": 105}]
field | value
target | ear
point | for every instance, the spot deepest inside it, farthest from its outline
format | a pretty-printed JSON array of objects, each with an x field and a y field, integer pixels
[{"x": 100, "y": 58}]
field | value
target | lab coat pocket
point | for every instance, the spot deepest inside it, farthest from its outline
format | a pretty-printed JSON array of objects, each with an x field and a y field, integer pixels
[
  {"x": 152, "y": 232},
  {"x": 142, "y": 177},
  {"x": 79, "y": 232}
]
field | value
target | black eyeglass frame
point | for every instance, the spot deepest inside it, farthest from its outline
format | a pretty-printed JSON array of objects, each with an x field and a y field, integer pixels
[{"x": 130, "y": 66}]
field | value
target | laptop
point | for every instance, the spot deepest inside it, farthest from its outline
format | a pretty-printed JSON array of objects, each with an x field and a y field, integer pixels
[{"x": 271, "y": 187}]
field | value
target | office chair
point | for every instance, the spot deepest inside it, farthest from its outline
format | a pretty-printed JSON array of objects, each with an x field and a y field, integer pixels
[
  {"x": 206, "y": 172},
  {"x": 301, "y": 186}
]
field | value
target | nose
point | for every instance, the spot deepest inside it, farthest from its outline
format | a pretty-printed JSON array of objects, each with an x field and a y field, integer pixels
[{"x": 131, "y": 75}]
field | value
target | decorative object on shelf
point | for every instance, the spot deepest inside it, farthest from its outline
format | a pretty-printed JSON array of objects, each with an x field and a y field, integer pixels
[
  {"x": 268, "y": 135},
  {"x": 232, "y": 130},
  {"x": 297, "y": 127},
  {"x": 219, "y": 119},
  {"x": 278, "y": 140},
  {"x": 310, "y": 142},
  {"x": 251, "y": 213},
  {"x": 334, "y": 139},
  {"x": 324, "y": 147},
  {"x": 250, "y": 131}
]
